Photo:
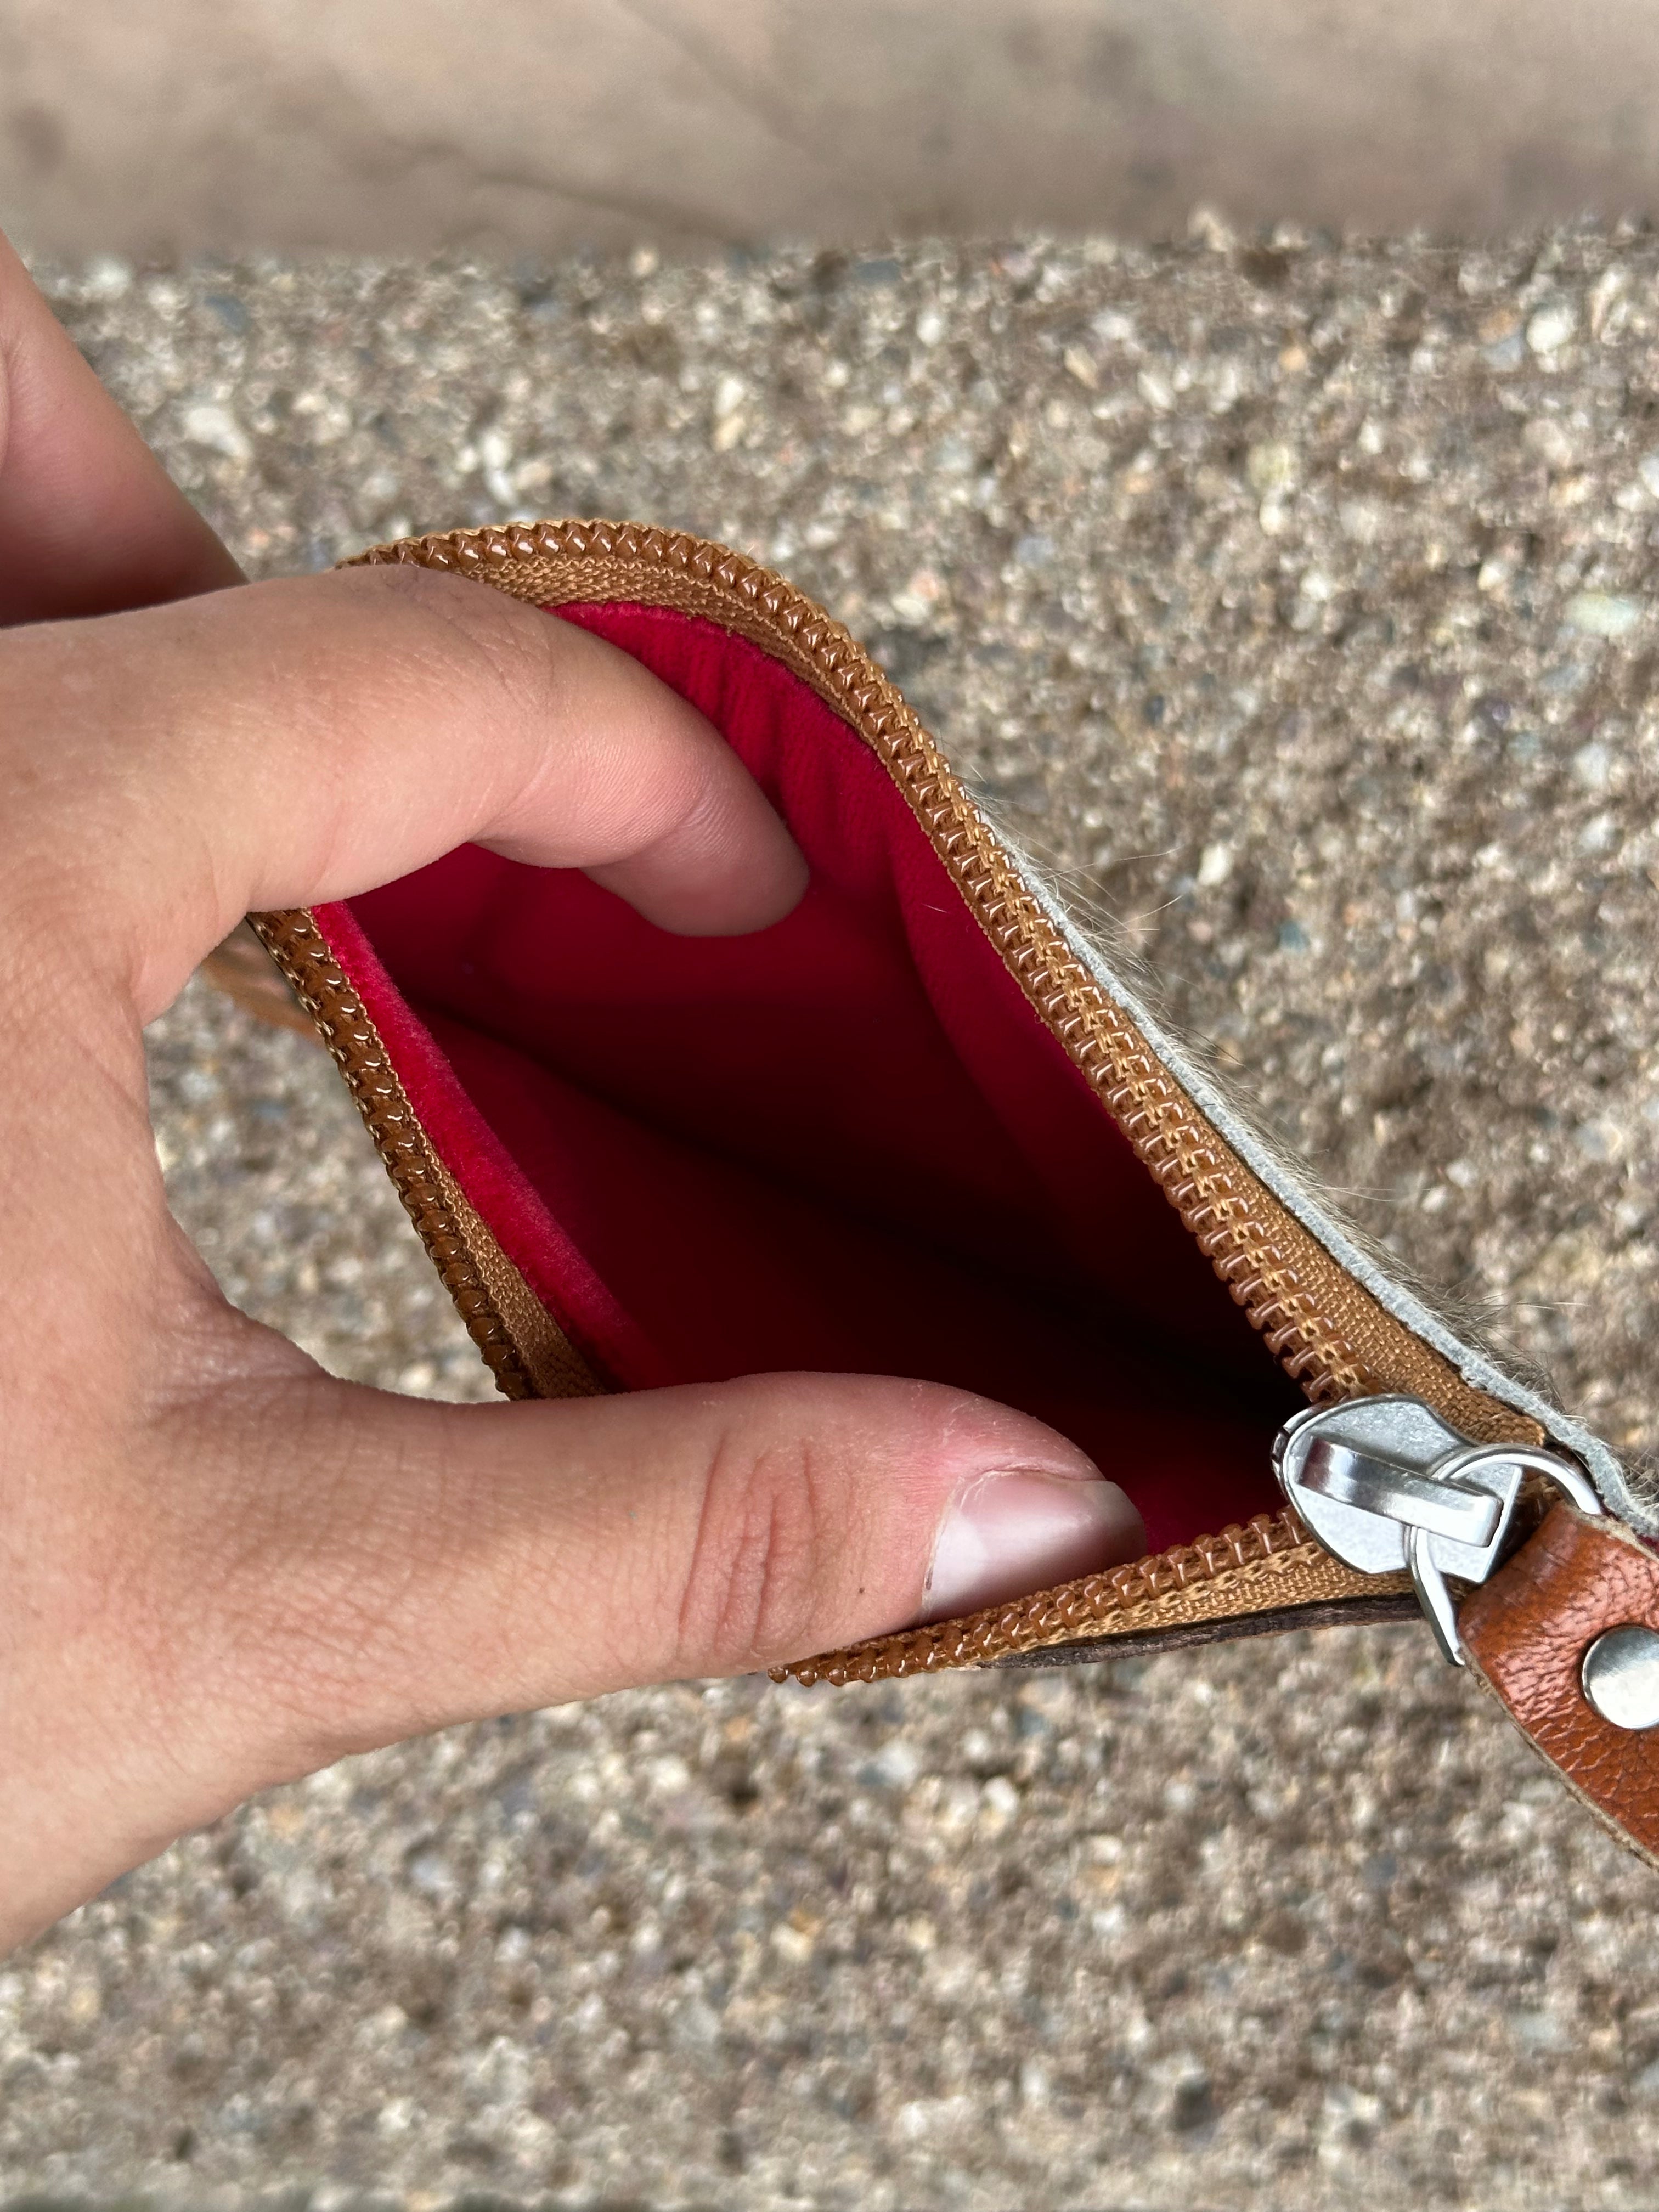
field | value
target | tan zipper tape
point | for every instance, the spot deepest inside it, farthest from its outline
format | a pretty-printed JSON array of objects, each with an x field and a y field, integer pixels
[
  {"x": 526, "y": 1352},
  {"x": 1266, "y": 1566},
  {"x": 1326, "y": 1329}
]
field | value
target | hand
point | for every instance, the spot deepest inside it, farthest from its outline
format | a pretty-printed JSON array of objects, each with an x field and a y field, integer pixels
[{"x": 220, "y": 1568}]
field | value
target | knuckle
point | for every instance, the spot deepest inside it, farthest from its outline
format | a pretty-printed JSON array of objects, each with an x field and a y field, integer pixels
[
  {"x": 769, "y": 1538},
  {"x": 468, "y": 628}
]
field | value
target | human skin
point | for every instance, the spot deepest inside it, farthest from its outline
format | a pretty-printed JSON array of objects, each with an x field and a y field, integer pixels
[{"x": 221, "y": 1568}]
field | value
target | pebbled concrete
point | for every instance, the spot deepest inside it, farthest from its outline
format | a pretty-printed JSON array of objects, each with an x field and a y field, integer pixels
[{"x": 1301, "y": 601}]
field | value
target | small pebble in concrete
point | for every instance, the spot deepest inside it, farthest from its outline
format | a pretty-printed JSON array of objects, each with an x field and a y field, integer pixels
[
  {"x": 1552, "y": 327},
  {"x": 1602, "y": 614}
]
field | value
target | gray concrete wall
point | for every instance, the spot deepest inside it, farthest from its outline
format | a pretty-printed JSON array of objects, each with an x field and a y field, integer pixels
[{"x": 532, "y": 124}]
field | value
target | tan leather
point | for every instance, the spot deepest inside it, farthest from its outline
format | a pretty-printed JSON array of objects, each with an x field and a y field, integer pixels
[
  {"x": 1527, "y": 1631},
  {"x": 242, "y": 969}
]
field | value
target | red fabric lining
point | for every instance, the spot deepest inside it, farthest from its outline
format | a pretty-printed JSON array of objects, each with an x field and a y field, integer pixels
[{"x": 845, "y": 1142}]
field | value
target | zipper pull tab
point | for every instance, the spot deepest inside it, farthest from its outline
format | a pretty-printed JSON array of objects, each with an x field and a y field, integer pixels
[{"x": 1385, "y": 1485}]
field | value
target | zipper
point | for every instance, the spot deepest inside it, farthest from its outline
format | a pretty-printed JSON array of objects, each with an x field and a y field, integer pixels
[
  {"x": 522, "y": 1344},
  {"x": 1383, "y": 1498},
  {"x": 1328, "y": 1330},
  {"x": 1388, "y": 1486}
]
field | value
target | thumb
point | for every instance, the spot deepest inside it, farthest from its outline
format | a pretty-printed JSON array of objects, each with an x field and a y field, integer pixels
[
  {"x": 284, "y": 1569},
  {"x": 453, "y": 1562}
]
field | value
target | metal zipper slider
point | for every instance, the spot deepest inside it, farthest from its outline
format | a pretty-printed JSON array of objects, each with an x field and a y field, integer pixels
[{"x": 1385, "y": 1485}]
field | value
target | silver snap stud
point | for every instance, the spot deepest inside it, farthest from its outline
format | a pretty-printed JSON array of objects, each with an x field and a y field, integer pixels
[{"x": 1620, "y": 1674}]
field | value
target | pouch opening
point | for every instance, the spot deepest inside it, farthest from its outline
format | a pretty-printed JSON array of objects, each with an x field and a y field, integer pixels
[{"x": 847, "y": 1142}]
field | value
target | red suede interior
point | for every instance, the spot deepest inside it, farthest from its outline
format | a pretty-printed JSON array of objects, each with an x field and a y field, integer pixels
[{"x": 845, "y": 1142}]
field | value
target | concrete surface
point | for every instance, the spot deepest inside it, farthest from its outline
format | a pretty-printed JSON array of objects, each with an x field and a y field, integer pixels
[
  {"x": 1303, "y": 602},
  {"x": 532, "y": 125}
]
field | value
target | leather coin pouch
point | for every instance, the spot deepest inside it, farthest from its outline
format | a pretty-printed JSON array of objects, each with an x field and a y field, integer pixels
[{"x": 924, "y": 1127}]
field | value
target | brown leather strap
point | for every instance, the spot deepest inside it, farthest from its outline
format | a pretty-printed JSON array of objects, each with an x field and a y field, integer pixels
[{"x": 1527, "y": 1631}]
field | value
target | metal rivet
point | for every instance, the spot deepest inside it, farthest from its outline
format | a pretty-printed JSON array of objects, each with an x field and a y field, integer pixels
[{"x": 1620, "y": 1674}]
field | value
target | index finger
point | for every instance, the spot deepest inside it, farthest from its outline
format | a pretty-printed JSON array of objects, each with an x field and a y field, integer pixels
[{"x": 289, "y": 743}]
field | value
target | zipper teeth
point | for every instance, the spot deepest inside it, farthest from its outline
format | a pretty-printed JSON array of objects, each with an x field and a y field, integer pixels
[
  {"x": 1272, "y": 1559},
  {"x": 301, "y": 951},
  {"x": 1326, "y": 1331}
]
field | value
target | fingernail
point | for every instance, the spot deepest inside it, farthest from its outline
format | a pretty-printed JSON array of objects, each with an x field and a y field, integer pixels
[{"x": 1015, "y": 1531}]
